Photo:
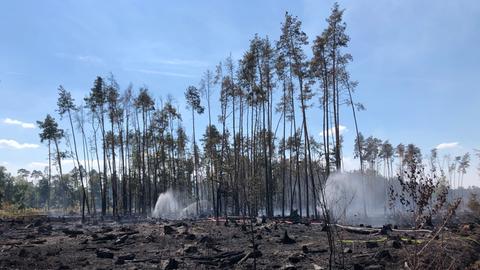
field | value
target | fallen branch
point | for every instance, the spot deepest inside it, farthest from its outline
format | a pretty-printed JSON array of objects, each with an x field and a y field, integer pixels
[
  {"x": 251, "y": 254},
  {"x": 358, "y": 230},
  {"x": 412, "y": 231},
  {"x": 216, "y": 257},
  {"x": 363, "y": 230}
]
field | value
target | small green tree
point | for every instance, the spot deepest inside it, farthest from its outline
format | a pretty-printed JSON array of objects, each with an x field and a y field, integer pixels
[
  {"x": 424, "y": 199},
  {"x": 50, "y": 132},
  {"x": 5, "y": 185}
]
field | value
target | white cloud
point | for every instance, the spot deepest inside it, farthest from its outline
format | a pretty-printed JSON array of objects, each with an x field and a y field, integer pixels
[
  {"x": 180, "y": 62},
  {"x": 331, "y": 131},
  {"x": 36, "y": 164},
  {"x": 350, "y": 163},
  {"x": 16, "y": 145},
  {"x": 447, "y": 145},
  {"x": 164, "y": 73},
  {"x": 10, "y": 121},
  {"x": 89, "y": 59}
]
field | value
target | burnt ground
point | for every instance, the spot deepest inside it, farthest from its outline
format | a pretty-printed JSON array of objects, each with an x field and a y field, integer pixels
[{"x": 66, "y": 243}]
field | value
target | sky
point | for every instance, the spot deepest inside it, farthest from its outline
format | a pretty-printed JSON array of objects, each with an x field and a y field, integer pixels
[{"x": 417, "y": 63}]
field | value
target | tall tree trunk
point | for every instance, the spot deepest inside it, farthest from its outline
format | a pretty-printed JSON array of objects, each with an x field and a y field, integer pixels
[
  {"x": 114, "y": 173},
  {"x": 264, "y": 146},
  {"x": 105, "y": 179},
  {"x": 86, "y": 156},
  {"x": 128, "y": 202},
  {"x": 284, "y": 154},
  {"x": 197, "y": 198},
  {"x": 144, "y": 168},
  {"x": 222, "y": 158},
  {"x": 139, "y": 185},
  {"x": 124, "y": 172},
  {"x": 326, "y": 128},
  {"x": 49, "y": 173},
  {"x": 360, "y": 154},
  {"x": 59, "y": 160},
  {"x": 102, "y": 187},
  {"x": 235, "y": 158},
  {"x": 148, "y": 181},
  {"x": 305, "y": 132},
  {"x": 336, "y": 109},
  {"x": 84, "y": 195},
  {"x": 297, "y": 154}
]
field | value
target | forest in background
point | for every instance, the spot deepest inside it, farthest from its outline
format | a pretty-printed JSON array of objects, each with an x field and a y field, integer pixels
[{"x": 256, "y": 157}]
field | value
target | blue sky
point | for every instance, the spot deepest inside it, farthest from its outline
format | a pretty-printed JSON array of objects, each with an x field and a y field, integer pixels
[{"x": 417, "y": 62}]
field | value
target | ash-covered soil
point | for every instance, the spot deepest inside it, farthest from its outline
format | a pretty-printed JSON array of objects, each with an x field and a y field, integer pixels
[{"x": 66, "y": 243}]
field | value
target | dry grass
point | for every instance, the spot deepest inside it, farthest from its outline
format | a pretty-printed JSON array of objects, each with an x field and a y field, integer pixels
[{"x": 9, "y": 210}]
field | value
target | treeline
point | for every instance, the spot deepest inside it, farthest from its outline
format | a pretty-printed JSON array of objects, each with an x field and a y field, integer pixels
[
  {"x": 31, "y": 189},
  {"x": 383, "y": 163},
  {"x": 379, "y": 157},
  {"x": 258, "y": 156}
]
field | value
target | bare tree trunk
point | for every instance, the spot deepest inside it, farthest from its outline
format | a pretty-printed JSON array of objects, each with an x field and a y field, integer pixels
[
  {"x": 59, "y": 160},
  {"x": 49, "y": 173},
  {"x": 144, "y": 168},
  {"x": 102, "y": 187},
  {"x": 284, "y": 154},
  {"x": 105, "y": 179},
  {"x": 235, "y": 153},
  {"x": 86, "y": 156},
  {"x": 306, "y": 144},
  {"x": 326, "y": 128},
  {"x": 264, "y": 146},
  {"x": 114, "y": 174},
  {"x": 360, "y": 154},
  {"x": 84, "y": 195},
  {"x": 297, "y": 154},
  {"x": 127, "y": 202},
  {"x": 124, "y": 172},
  {"x": 195, "y": 154}
]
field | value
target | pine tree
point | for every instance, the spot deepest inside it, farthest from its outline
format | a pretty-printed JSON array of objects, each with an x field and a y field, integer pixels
[
  {"x": 192, "y": 95},
  {"x": 51, "y": 133},
  {"x": 66, "y": 105}
]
